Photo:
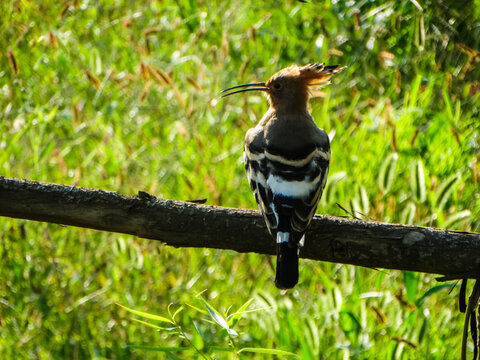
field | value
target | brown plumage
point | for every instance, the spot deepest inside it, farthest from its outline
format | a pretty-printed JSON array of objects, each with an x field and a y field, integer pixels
[{"x": 286, "y": 159}]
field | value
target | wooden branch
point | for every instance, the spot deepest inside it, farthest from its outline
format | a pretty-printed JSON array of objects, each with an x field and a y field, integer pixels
[{"x": 455, "y": 254}]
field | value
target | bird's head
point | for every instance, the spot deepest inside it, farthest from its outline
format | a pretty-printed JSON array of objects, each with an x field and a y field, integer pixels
[{"x": 288, "y": 89}]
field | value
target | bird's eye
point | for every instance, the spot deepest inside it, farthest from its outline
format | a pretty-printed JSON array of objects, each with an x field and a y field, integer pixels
[{"x": 277, "y": 86}]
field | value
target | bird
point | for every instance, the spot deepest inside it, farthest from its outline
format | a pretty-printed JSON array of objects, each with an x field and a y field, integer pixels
[{"x": 287, "y": 158}]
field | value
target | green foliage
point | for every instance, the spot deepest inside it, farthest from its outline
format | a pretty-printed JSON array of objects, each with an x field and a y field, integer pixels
[
  {"x": 204, "y": 334},
  {"x": 123, "y": 96}
]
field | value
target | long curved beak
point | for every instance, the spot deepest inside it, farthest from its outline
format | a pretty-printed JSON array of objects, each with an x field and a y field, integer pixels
[{"x": 261, "y": 87}]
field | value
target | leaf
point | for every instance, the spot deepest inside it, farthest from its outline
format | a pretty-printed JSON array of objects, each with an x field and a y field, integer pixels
[
  {"x": 177, "y": 312},
  {"x": 445, "y": 191},
  {"x": 172, "y": 356},
  {"x": 448, "y": 102},
  {"x": 219, "y": 320},
  {"x": 330, "y": 193},
  {"x": 432, "y": 291},
  {"x": 414, "y": 91},
  {"x": 201, "y": 311},
  {"x": 362, "y": 201},
  {"x": 233, "y": 318},
  {"x": 159, "y": 348},
  {"x": 388, "y": 171},
  {"x": 147, "y": 315},
  {"x": 46, "y": 150},
  {"x": 199, "y": 331},
  {"x": 423, "y": 329},
  {"x": 354, "y": 207},
  {"x": 365, "y": 200},
  {"x": 349, "y": 322},
  {"x": 51, "y": 115},
  {"x": 453, "y": 220},
  {"x": 407, "y": 215},
  {"x": 417, "y": 182},
  {"x": 267, "y": 351},
  {"x": 170, "y": 330}
]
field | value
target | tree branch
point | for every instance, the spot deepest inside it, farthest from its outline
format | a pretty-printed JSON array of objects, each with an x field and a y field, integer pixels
[{"x": 455, "y": 254}]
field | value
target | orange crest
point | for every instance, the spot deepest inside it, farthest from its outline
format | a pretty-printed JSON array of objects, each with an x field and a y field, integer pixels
[{"x": 318, "y": 74}]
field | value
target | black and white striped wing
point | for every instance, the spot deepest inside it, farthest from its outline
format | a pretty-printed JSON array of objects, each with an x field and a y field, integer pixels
[
  {"x": 257, "y": 174},
  {"x": 306, "y": 207},
  {"x": 297, "y": 185}
]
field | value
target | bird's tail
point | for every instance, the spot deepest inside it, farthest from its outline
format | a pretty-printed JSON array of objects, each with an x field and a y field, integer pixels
[{"x": 287, "y": 266}]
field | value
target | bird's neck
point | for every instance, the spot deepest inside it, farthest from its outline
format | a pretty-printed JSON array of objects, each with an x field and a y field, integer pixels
[
  {"x": 295, "y": 104},
  {"x": 280, "y": 119},
  {"x": 289, "y": 110}
]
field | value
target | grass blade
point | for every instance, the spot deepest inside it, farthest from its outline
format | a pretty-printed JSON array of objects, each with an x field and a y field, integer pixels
[
  {"x": 268, "y": 351},
  {"x": 160, "y": 348}
]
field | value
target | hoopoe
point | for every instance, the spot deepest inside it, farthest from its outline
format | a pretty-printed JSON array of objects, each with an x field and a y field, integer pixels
[{"x": 286, "y": 159}]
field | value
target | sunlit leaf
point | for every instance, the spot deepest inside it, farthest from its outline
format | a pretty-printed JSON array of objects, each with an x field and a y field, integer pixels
[
  {"x": 202, "y": 311},
  {"x": 147, "y": 315},
  {"x": 445, "y": 191},
  {"x": 407, "y": 215},
  {"x": 454, "y": 219},
  {"x": 330, "y": 193},
  {"x": 387, "y": 172},
  {"x": 177, "y": 312},
  {"x": 233, "y": 318},
  {"x": 170, "y": 330},
  {"x": 417, "y": 181},
  {"x": 219, "y": 320}
]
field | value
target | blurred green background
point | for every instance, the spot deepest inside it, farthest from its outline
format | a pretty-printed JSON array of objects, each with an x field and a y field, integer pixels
[{"x": 123, "y": 96}]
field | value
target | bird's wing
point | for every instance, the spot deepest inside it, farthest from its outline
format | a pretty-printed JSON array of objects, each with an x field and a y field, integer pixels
[
  {"x": 257, "y": 174},
  {"x": 297, "y": 182},
  {"x": 306, "y": 207},
  {"x": 287, "y": 184}
]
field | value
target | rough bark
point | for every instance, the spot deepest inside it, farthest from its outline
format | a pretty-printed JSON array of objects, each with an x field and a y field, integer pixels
[{"x": 183, "y": 224}]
